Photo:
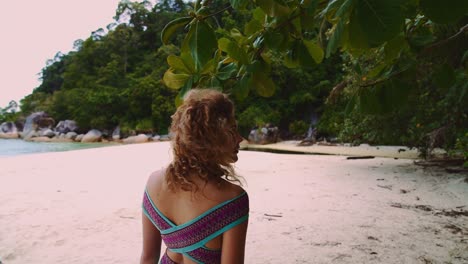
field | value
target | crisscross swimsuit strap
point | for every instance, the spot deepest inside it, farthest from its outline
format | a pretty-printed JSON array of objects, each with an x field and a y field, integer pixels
[{"x": 189, "y": 238}]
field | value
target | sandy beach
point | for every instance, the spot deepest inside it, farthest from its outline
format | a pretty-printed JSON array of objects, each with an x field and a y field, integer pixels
[{"x": 84, "y": 206}]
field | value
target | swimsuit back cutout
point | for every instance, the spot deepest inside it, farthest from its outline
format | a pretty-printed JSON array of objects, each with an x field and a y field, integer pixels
[{"x": 189, "y": 238}]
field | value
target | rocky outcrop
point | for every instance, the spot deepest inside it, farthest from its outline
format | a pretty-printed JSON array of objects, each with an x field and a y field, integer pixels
[
  {"x": 93, "y": 135},
  {"x": 34, "y": 123},
  {"x": 8, "y": 130},
  {"x": 66, "y": 126},
  {"x": 264, "y": 135}
]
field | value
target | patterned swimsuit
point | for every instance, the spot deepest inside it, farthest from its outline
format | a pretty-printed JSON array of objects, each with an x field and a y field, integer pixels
[{"x": 190, "y": 238}]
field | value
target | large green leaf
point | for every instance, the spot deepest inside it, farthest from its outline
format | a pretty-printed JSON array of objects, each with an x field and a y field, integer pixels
[
  {"x": 263, "y": 84},
  {"x": 356, "y": 37},
  {"x": 314, "y": 50},
  {"x": 202, "y": 43},
  {"x": 252, "y": 27},
  {"x": 226, "y": 71},
  {"x": 444, "y": 12},
  {"x": 172, "y": 26},
  {"x": 173, "y": 80},
  {"x": 177, "y": 64},
  {"x": 239, "y": 4},
  {"x": 273, "y": 39},
  {"x": 305, "y": 56},
  {"x": 233, "y": 50},
  {"x": 379, "y": 20},
  {"x": 335, "y": 39},
  {"x": 242, "y": 87},
  {"x": 259, "y": 15},
  {"x": 393, "y": 94},
  {"x": 179, "y": 99},
  {"x": 272, "y": 8}
]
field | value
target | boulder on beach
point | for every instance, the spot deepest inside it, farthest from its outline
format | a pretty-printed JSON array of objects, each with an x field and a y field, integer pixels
[
  {"x": 79, "y": 137},
  {"x": 71, "y": 135},
  {"x": 141, "y": 138},
  {"x": 66, "y": 126},
  {"x": 93, "y": 135},
  {"x": 116, "y": 133},
  {"x": 46, "y": 133},
  {"x": 35, "y": 122},
  {"x": 8, "y": 130},
  {"x": 264, "y": 135}
]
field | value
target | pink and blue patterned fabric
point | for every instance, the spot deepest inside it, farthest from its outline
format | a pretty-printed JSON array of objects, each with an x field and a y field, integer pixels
[{"x": 190, "y": 238}]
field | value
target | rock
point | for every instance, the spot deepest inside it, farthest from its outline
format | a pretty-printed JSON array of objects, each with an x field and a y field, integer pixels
[
  {"x": 71, "y": 135},
  {"x": 141, "y": 138},
  {"x": 116, "y": 133},
  {"x": 8, "y": 130},
  {"x": 47, "y": 133},
  {"x": 265, "y": 135},
  {"x": 66, "y": 126},
  {"x": 93, "y": 135},
  {"x": 34, "y": 122},
  {"x": 164, "y": 138},
  {"x": 156, "y": 138},
  {"x": 79, "y": 138}
]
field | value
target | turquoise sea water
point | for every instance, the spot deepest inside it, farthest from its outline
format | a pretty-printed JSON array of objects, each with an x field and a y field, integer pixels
[{"x": 14, "y": 147}]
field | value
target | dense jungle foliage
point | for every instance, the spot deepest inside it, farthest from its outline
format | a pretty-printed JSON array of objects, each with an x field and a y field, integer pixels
[{"x": 381, "y": 72}]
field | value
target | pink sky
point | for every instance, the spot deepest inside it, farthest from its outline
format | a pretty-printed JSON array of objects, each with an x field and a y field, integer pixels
[{"x": 34, "y": 31}]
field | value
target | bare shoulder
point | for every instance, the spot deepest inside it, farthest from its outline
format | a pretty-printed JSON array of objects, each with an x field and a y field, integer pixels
[
  {"x": 232, "y": 190},
  {"x": 155, "y": 180}
]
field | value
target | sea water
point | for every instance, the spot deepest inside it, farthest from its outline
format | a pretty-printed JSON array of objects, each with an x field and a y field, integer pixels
[{"x": 14, "y": 147}]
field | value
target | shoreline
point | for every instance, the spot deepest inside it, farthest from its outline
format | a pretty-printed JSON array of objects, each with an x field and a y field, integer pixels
[
  {"x": 79, "y": 206},
  {"x": 291, "y": 147}
]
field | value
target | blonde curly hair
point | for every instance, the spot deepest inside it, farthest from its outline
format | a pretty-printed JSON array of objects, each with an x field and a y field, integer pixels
[{"x": 201, "y": 129}]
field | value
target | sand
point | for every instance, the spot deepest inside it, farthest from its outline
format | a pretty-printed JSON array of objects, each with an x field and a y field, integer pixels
[{"x": 83, "y": 206}]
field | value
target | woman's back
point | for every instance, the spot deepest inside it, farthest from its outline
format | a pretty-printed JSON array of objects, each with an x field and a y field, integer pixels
[
  {"x": 192, "y": 205},
  {"x": 181, "y": 207}
]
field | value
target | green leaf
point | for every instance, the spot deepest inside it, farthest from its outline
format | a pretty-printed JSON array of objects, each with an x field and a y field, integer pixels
[
  {"x": 233, "y": 50},
  {"x": 259, "y": 15},
  {"x": 444, "y": 12},
  {"x": 394, "y": 94},
  {"x": 343, "y": 11},
  {"x": 314, "y": 50},
  {"x": 209, "y": 67},
  {"x": 273, "y": 8},
  {"x": 335, "y": 39},
  {"x": 239, "y": 4},
  {"x": 177, "y": 64},
  {"x": 263, "y": 84},
  {"x": 215, "y": 84},
  {"x": 394, "y": 47},
  {"x": 242, "y": 87},
  {"x": 291, "y": 60},
  {"x": 357, "y": 39},
  {"x": 179, "y": 99},
  {"x": 172, "y": 26},
  {"x": 444, "y": 77},
  {"x": 226, "y": 71},
  {"x": 173, "y": 80},
  {"x": 202, "y": 43},
  {"x": 304, "y": 55},
  {"x": 273, "y": 39},
  {"x": 378, "y": 20},
  {"x": 252, "y": 27}
]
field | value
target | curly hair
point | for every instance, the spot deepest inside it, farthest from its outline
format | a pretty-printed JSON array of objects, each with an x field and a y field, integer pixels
[{"x": 201, "y": 129}]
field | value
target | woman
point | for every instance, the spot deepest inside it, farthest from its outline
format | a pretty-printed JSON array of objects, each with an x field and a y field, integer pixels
[{"x": 193, "y": 205}]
